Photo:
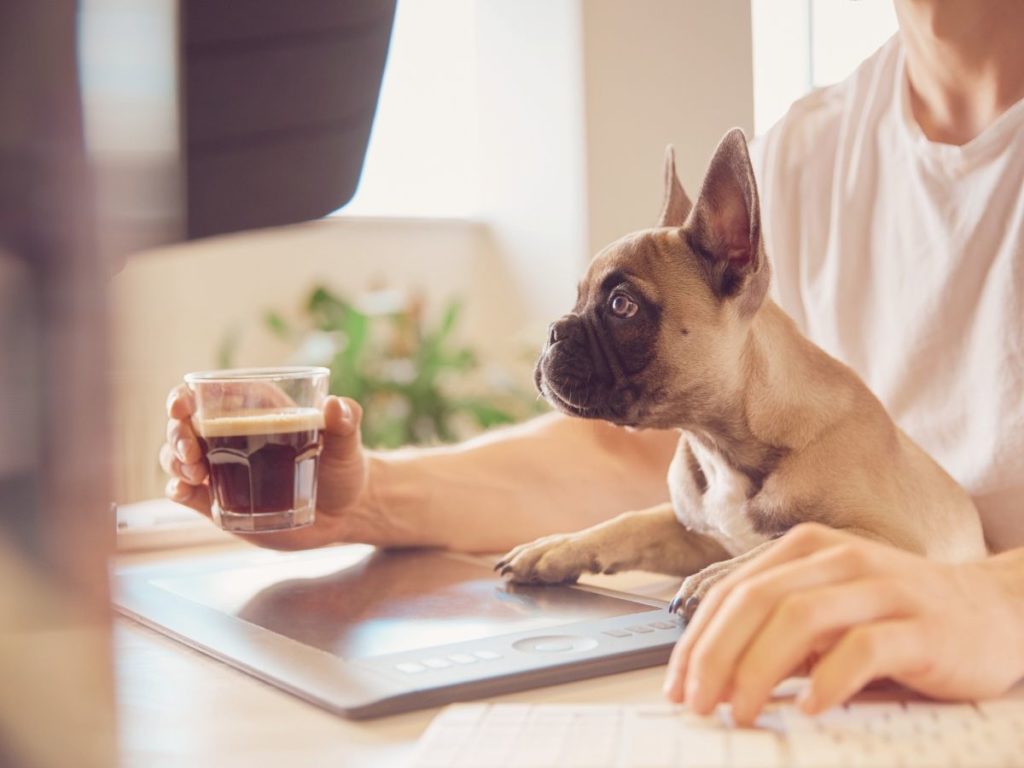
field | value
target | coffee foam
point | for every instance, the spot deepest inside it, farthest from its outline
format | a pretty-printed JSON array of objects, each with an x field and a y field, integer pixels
[{"x": 273, "y": 422}]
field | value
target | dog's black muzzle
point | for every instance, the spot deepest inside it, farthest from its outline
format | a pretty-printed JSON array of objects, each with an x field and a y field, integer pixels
[{"x": 573, "y": 372}]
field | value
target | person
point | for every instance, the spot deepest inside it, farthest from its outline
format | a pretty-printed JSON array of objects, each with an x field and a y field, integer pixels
[{"x": 893, "y": 209}]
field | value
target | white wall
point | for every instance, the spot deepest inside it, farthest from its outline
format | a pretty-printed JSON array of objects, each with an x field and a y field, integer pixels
[
  {"x": 579, "y": 98},
  {"x": 533, "y": 181},
  {"x": 658, "y": 72}
]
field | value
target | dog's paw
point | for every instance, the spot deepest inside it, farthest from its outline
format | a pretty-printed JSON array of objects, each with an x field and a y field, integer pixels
[
  {"x": 695, "y": 587},
  {"x": 555, "y": 559}
]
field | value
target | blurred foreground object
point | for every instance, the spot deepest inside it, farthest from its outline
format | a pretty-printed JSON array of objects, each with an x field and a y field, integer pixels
[
  {"x": 125, "y": 124},
  {"x": 56, "y": 701}
]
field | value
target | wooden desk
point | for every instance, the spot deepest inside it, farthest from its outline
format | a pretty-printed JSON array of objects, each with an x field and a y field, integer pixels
[{"x": 177, "y": 707}]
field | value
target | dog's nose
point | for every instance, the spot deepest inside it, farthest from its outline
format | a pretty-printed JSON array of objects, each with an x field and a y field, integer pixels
[{"x": 561, "y": 329}]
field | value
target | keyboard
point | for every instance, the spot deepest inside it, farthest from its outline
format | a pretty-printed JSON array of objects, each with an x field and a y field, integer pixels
[{"x": 913, "y": 734}]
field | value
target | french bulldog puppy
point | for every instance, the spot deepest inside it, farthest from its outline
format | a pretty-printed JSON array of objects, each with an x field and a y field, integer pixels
[{"x": 673, "y": 328}]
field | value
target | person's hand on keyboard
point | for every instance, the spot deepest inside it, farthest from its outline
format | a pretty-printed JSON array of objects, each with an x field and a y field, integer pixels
[{"x": 852, "y": 611}]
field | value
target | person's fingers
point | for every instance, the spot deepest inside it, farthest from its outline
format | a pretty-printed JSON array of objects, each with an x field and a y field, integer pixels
[
  {"x": 800, "y": 541},
  {"x": 169, "y": 463},
  {"x": 799, "y": 625},
  {"x": 195, "y": 496},
  {"x": 675, "y": 672},
  {"x": 181, "y": 403},
  {"x": 182, "y": 438},
  {"x": 744, "y": 611},
  {"x": 194, "y": 473},
  {"x": 342, "y": 439},
  {"x": 892, "y": 648}
]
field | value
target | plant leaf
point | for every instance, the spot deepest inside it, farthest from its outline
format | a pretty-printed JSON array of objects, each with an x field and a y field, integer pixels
[{"x": 277, "y": 325}]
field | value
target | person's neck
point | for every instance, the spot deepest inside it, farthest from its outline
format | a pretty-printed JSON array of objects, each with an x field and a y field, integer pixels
[{"x": 965, "y": 63}]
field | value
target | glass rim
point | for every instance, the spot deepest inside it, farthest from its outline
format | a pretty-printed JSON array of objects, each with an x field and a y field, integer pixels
[{"x": 283, "y": 372}]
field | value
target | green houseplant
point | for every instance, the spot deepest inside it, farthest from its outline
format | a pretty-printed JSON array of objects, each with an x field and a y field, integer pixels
[{"x": 406, "y": 373}]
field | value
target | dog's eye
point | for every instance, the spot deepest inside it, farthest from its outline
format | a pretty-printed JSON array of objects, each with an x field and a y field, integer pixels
[{"x": 623, "y": 306}]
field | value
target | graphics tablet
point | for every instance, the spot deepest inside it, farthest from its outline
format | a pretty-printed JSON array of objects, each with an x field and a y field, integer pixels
[{"x": 364, "y": 633}]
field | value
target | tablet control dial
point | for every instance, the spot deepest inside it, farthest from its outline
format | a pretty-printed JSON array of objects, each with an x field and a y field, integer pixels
[{"x": 554, "y": 644}]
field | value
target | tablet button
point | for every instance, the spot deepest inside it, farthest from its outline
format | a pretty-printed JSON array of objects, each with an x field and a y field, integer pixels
[
  {"x": 640, "y": 628},
  {"x": 436, "y": 663},
  {"x": 662, "y": 625},
  {"x": 410, "y": 667},
  {"x": 617, "y": 633},
  {"x": 462, "y": 658},
  {"x": 554, "y": 644},
  {"x": 488, "y": 655}
]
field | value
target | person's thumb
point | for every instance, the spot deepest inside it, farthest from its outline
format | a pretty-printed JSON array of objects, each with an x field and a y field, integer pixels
[{"x": 342, "y": 439}]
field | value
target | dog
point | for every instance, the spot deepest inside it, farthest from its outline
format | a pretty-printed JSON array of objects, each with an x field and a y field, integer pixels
[{"x": 673, "y": 329}]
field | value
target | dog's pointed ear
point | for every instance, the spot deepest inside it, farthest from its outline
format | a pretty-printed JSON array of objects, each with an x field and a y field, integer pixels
[
  {"x": 677, "y": 205},
  {"x": 724, "y": 227}
]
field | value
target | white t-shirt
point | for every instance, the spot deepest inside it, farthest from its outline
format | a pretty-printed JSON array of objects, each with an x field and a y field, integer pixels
[{"x": 905, "y": 259}]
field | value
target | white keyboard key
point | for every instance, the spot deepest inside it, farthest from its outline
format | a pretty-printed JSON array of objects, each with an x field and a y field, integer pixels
[
  {"x": 810, "y": 749},
  {"x": 540, "y": 747},
  {"x": 750, "y": 748},
  {"x": 535, "y": 756},
  {"x": 703, "y": 748},
  {"x": 653, "y": 737}
]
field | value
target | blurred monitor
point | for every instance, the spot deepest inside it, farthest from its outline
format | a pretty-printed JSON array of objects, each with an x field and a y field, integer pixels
[
  {"x": 278, "y": 100},
  {"x": 124, "y": 124}
]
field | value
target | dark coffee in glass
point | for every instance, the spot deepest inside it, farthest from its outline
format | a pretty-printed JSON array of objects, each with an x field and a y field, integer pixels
[
  {"x": 261, "y": 431},
  {"x": 263, "y": 463}
]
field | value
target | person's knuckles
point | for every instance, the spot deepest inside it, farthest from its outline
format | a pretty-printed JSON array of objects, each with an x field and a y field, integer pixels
[
  {"x": 803, "y": 611},
  {"x": 189, "y": 450},
  {"x": 807, "y": 537},
  {"x": 852, "y": 558},
  {"x": 168, "y": 461},
  {"x": 758, "y": 593},
  {"x": 181, "y": 437},
  {"x": 175, "y": 490},
  {"x": 193, "y": 473}
]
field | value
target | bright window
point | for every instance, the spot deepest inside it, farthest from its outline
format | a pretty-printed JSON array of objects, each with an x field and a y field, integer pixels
[
  {"x": 805, "y": 44},
  {"x": 423, "y": 153}
]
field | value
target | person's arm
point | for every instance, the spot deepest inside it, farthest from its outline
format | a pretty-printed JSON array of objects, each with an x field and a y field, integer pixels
[
  {"x": 504, "y": 488},
  {"x": 551, "y": 474},
  {"x": 854, "y": 610}
]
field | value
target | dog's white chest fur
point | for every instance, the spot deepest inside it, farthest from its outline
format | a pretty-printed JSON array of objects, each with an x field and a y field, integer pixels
[{"x": 718, "y": 510}]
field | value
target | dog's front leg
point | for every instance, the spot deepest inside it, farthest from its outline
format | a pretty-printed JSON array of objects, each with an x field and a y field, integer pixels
[{"x": 649, "y": 540}]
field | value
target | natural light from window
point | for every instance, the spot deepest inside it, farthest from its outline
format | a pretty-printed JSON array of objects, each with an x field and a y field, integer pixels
[
  {"x": 423, "y": 158},
  {"x": 423, "y": 155}
]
